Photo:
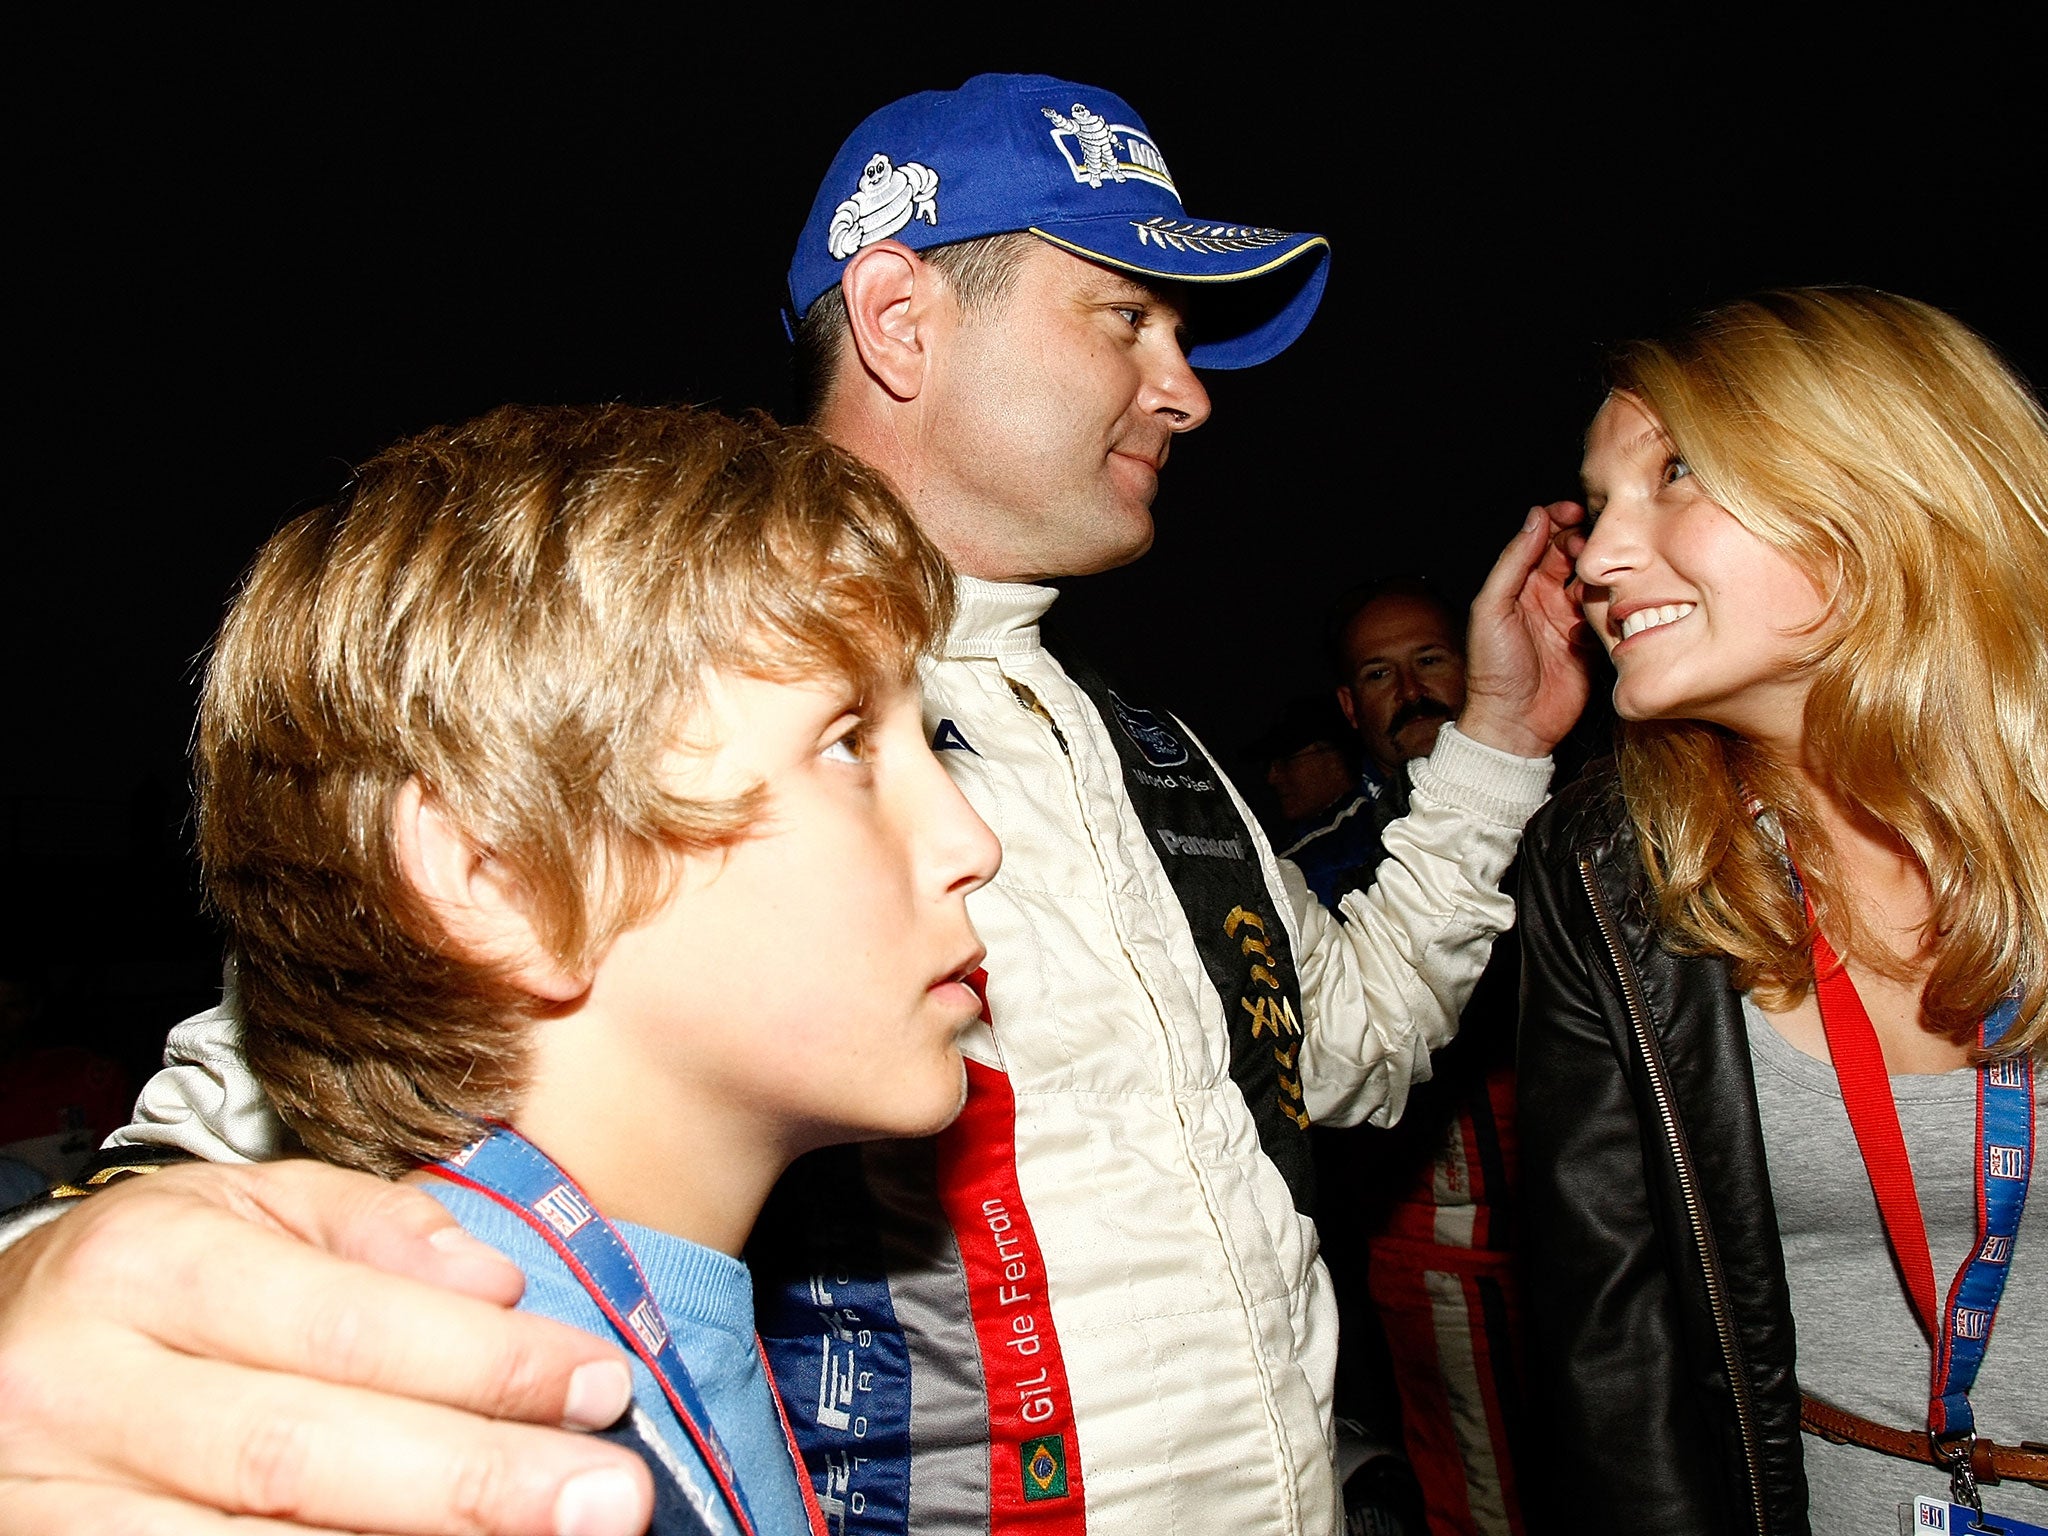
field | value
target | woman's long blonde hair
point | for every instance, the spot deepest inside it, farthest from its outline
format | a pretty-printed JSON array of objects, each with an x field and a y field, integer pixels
[{"x": 1886, "y": 448}]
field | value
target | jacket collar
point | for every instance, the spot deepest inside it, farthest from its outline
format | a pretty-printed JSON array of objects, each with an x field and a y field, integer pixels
[
  {"x": 997, "y": 620},
  {"x": 1591, "y": 821}
]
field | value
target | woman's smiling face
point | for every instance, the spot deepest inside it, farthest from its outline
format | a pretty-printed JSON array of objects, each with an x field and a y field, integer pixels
[{"x": 1703, "y": 619}]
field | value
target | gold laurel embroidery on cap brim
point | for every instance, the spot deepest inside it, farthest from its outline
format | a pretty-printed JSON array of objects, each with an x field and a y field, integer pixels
[{"x": 1099, "y": 257}]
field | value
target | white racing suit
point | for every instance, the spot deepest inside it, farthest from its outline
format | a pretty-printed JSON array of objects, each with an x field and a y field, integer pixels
[{"x": 1093, "y": 1304}]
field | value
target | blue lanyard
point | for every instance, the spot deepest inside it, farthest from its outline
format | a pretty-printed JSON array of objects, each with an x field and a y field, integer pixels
[
  {"x": 2005, "y": 1159},
  {"x": 507, "y": 1168}
]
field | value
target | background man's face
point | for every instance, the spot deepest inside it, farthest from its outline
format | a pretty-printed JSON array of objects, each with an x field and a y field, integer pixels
[
  {"x": 1050, "y": 419},
  {"x": 1405, "y": 671}
]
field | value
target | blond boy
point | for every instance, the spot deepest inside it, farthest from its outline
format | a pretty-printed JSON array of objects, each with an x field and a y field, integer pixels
[{"x": 567, "y": 774}]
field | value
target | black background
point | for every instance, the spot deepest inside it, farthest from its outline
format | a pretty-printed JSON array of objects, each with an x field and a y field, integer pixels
[{"x": 244, "y": 260}]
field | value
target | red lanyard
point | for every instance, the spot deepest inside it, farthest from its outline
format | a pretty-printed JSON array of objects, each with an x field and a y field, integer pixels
[{"x": 1867, "y": 1095}]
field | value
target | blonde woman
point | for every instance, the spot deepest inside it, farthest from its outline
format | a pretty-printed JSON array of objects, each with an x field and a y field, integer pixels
[{"x": 1817, "y": 553}]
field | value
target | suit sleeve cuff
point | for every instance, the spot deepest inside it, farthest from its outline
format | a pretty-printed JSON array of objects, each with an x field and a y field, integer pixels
[{"x": 1484, "y": 780}]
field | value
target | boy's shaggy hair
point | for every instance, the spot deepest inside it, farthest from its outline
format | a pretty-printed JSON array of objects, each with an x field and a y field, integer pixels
[{"x": 519, "y": 613}]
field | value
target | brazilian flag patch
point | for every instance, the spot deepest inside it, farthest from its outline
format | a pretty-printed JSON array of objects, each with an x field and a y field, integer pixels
[{"x": 1045, "y": 1468}]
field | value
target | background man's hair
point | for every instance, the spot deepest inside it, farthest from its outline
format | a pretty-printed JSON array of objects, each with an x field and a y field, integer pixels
[
  {"x": 519, "y": 613},
  {"x": 1351, "y": 603},
  {"x": 981, "y": 273}
]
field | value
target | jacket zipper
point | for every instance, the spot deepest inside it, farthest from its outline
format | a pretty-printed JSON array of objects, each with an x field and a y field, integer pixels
[
  {"x": 1688, "y": 1186},
  {"x": 1029, "y": 700}
]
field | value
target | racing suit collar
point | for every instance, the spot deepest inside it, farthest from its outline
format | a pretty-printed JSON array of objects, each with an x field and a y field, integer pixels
[{"x": 997, "y": 620}]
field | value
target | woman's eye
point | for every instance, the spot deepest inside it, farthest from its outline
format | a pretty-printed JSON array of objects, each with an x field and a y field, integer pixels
[
  {"x": 1131, "y": 315},
  {"x": 1675, "y": 468}
]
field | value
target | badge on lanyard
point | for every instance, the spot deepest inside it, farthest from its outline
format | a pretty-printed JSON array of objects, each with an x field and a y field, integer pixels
[
  {"x": 1940, "y": 1517},
  {"x": 1960, "y": 1330}
]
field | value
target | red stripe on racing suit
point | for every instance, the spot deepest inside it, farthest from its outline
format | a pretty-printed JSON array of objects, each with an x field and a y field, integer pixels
[{"x": 1035, "y": 1480}]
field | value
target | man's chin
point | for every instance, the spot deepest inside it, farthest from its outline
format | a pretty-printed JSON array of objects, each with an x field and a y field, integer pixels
[
  {"x": 1121, "y": 558},
  {"x": 1107, "y": 555}
]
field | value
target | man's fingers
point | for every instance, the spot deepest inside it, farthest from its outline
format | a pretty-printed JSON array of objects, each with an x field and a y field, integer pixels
[
  {"x": 206, "y": 1261},
  {"x": 358, "y": 1327},
  {"x": 1569, "y": 543},
  {"x": 176, "y": 1334},
  {"x": 1516, "y": 561},
  {"x": 1534, "y": 543},
  {"x": 46, "y": 1507},
  {"x": 1525, "y": 682},
  {"x": 258, "y": 1443},
  {"x": 389, "y": 1226}
]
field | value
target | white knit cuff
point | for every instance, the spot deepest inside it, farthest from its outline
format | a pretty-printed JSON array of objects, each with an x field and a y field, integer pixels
[{"x": 1488, "y": 782}]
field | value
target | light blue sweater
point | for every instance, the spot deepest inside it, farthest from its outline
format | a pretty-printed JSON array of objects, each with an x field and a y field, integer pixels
[{"x": 707, "y": 1299}]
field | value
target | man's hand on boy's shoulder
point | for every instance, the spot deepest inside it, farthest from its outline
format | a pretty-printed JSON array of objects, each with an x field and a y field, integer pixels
[{"x": 295, "y": 1341}]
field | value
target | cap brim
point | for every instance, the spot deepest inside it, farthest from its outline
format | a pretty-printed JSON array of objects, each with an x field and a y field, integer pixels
[{"x": 1292, "y": 268}]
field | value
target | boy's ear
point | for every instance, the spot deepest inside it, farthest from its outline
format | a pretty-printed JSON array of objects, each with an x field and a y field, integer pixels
[
  {"x": 893, "y": 301},
  {"x": 480, "y": 904}
]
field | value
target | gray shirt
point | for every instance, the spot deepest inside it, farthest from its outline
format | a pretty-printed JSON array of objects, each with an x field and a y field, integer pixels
[{"x": 1859, "y": 1346}]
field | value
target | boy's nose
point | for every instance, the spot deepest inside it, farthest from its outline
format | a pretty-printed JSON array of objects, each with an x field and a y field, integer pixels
[
  {"x": 964, "y": 848},
  {"x": 985, "y": 854}
]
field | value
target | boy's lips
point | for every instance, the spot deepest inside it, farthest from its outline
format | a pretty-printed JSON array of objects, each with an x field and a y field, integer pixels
[{"x": 965, "y": 973}]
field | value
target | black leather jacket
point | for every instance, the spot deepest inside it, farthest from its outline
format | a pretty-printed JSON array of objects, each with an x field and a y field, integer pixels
[{"x": 1660, "y": 1330}]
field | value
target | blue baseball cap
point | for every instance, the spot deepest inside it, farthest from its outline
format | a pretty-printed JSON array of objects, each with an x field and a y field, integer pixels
[{"x": 1071, "y": 164}]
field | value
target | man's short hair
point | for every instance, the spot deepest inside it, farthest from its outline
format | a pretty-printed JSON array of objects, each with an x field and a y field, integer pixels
[
  {"x": 981, "y": 273},
  {"x": 520, "y": 613},
  {"x": 1350, "y": 604}
]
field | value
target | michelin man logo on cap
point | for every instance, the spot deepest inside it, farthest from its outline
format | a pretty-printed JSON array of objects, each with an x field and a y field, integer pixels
[
  {"x": 1073, "y": 165},
  {"x": 888, "y": 197},
  {"x": 1097, "y": 138}
]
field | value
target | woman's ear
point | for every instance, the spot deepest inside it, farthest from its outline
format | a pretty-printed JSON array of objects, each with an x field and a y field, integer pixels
[{"x": 485, "y": 910}]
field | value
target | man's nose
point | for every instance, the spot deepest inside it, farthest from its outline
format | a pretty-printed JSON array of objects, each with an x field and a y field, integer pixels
[{"x": 1174, "y": 393}]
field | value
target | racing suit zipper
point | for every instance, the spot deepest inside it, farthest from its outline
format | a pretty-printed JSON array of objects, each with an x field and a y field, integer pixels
[
  {"x": 1688, "y": 1186},
  {"x": 1029, "y": 700}
]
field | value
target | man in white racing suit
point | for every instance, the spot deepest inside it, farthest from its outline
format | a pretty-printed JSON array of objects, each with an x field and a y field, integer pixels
[{"x": 1094, "y": 1304}]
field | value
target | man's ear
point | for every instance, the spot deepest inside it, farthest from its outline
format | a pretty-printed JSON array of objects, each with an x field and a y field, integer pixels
[
  {"x": 1350, "y": 707},
  {"x": 480, "y": 904},
  {"x": 894, "y": 303}
]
